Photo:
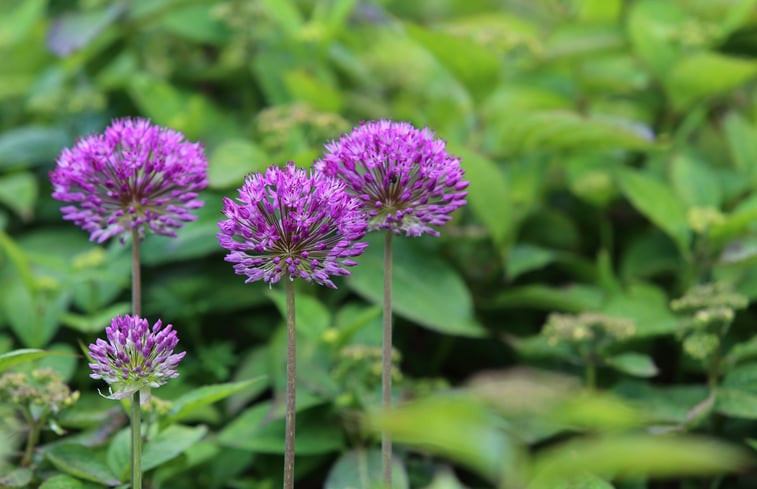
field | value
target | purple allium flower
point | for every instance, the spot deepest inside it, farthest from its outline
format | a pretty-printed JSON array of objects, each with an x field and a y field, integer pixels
[
  {"x": 133, "y": 175},
  {"x": 135, "y": 357},
  {"x": 292, "y": 222},
  {"x": 404, "y": 176}
]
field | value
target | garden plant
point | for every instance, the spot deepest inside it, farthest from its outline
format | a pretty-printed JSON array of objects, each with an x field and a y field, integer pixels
[{"x": 405, "y": 244}]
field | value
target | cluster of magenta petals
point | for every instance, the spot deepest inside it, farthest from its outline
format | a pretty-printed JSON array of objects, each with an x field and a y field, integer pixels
[
  {"x": 136, "y": 357},
  {"x": 135, "y": 175},
  {"x": 294, "y": 223},
  {"x": 405, "y": 178}
]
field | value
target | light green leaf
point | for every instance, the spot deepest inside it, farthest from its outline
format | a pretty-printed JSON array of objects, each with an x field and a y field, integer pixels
[
  {"x": 571, "y": 298},
  {"x": 232, "y": 160},
  {"x": 742, "y": 142},
  {"x": 706, "y": 74},
  {"x": 203, "y": 396},
  {"x": 651, "y": 24},
  {"x": 61, "y": 481},
  {"x": 30, "y": 145},
  {"x": 446, "y": 307},
  {"x": 17, "y": 357},
  {"x": 80, "y": 461},
  {"x": 736, "y": 403},
  {"x": 363, "y": 469},
  {"x": 17, "y": 478},
  {"x": 94, "y": 323},
  {"x": 118, "y": 456},
  {"x": 303, "y": 86},
  {"x": 18, "y": 191},
  {"x": 286, "y": 15},
  {"x": 584, "y": 481},
  {"x": 635, "y": 364},
  {"x": 525, "y": 257},
  {"x": 695, "y": 183},
  {"x": 170, "y": 443},
  {"x": 655, "y": 201},
  {"x": 647, "y": 306},
  {"x": 311, "y": 317},
  {"x": 196, "y": 23}
]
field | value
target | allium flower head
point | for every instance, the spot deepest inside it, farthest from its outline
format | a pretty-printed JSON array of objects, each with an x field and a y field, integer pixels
[
  {"x": 135, "y": 357},
  {"x": 134, "y": 175},
  {"x": 290, "y": 222},
  {"x": 404, "y": 176}
]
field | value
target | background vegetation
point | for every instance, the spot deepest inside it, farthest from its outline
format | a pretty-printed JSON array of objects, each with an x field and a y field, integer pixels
[{"x": 612, "y": 156}]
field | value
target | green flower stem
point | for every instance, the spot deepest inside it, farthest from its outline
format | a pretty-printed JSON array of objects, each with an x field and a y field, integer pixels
[
  {"x": 32, "y": 438},
  {"x": 591, "y": 375},
  {"x": 291, "y": 389},
  {"x": 136, "y": 442},
  {"x": 386, "y": 359},
  {"x": 136, "y": 275}
]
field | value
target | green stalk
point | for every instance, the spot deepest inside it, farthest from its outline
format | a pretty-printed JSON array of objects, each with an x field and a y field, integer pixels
[
  {"x": 291, "y": 390},
  {"x": 136, "y": 275},
  {"x": 386, "y": 359},
  {"x": 32, "y": 438},
  {"x": 136, "y": 442}
]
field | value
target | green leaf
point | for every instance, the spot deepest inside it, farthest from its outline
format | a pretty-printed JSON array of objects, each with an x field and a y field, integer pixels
[
  {"x": 363, "y": 469},
  {"x": 651, "y": 24},
  {"x": 18, "y": 191},
  {"x": 743, "y": 377},
  {"x": 455, "y": 427},
  {"x": 634, "y": 456},
  {"x": 16, "y": 478},
  {"x": 285, "y": 14},
  {"x": 232, "y": 160},
  {"x": 61, "y": 481},
  {"x": 583, "y": 481},
  {"x": 736, "y": 403},
  {"x": 303, "y": 86},
  {"x": 446, "y": 306},
  {"x": 572, "y": 41},
  {"x": 695, "y": 183},
  {"x": 170, "y": 443},
  {"x": 706, "y": 74},
  {"x": 745, "y": 350},
  {"x": 525, "y": 257},
  {"x": 118, "y": 456},
  {"x": 17, "y": 357},
  {"x": 196, "y": 23},
  {"x": 80, "y": 461},
  {"x": 471, "y": 63},
  {"x": 654, "y": 200},
  {"x": 488, "y": 194},
  {"x": 311, "y": 317},
  {"x": 647, "y": 306},
  {"x": 94, "y": 323},
  {"x": 741, "y": 136},
  {"x": 635, "y": 364},
  {"x": 203, "y": 396},
  {"x": 571, "y": 298},
  {"x": 31, "y": 145}
]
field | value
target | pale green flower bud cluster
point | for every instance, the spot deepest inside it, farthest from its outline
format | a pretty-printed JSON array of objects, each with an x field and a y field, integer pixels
[
  {"x": 39, "y": 394},
  {"x": 358, "y": 371},
  {"x": 592, "y": 328}
]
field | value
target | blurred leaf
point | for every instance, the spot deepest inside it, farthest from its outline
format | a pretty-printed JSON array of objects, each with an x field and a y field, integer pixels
[
  {"x": 583, "y": 481},
  {"x": 16, "y": 357},
  {"x": 455, "y": 427},
  {"x": 286, "y": 15},
  {"x": 18, "y": 18},
  {"x": 62, "y": 358},
  {"x": 170, "y": 443},
  {"x": 303, "y": 86},
  {"x": 446, "y": 307},
  {"x": 571, "y": 298},
  {"x": 31, "y": 145},
  {"x": 744, "y": 350},
  {"x": 118, "y": 456},
  {"x": 94, "y": 323},
  {"x": 635, "y": 364},
  {"x": 743, "y": 377},
  {"x": 651, "y": 24},
  {"x": 203, "y": 396},
  {"x": 363, "y": 469},
  {"x": 736, "y": 403},
  {"x": 694, "y": 182},
  {"x": 653, "y": 199},
  {"x": 600, "y": 10},
  {"x": 707, "y": 74},
  {"x": 18, "y": 191},
  {"x": 61, "y": 481},
  {"x": 34, "y": 317},
  {"x": 80, "y": 461},
  {"x": 647, "y": 306},
  {"x": 254, "y": 366},
  {"x": 525, "y": 257},
  {"x": 311, "y": 317},
  {"x": 741, "y": 136},
  {"x": 647, "y": 255},
  {"x": 596, "y": 412},
  {"x": 634, "y": 456},
  {"x": 488, "y": 194},
  {"x": 72, "y": 31},
  {"x": 578, "y": 40},
  {"x": 230, "y": 162},
  {"x": 17, "y": 478},
  {"x": 196, "y": 23},
  {"x": 664, "y": 404},
  {"x": 471, "y": 63}
]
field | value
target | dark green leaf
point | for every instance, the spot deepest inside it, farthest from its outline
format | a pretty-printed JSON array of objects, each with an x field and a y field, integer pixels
[
  {"x": 232, "y": 160},
  {"x": 80, "y": 461},
  {"x": 363, "y": 469},
  {"x": 30, "y": 145},
  {"x": 18, "y": 191},
  {"x": 203, "y": 396},
  {"x": 170, "y": 443}
]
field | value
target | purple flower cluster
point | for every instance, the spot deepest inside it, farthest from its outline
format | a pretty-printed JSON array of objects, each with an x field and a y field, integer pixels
[
  {"x": 135, "y": 357},
  {"x": 404, "y": 176},
  {"x": 289, "y": 222},
  {"x": 134, "y": 175}
]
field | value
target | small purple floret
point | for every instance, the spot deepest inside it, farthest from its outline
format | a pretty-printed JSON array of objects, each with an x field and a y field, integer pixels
[
  {"x": 134, "y": 175},
  {"x": 290, "y": 222},
  {"x": 135, "y": 357},
  {"x": 405, "y": 178}
]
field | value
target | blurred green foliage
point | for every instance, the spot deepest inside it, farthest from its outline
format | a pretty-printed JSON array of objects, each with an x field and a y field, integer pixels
[{"x": 611, "y": 147}]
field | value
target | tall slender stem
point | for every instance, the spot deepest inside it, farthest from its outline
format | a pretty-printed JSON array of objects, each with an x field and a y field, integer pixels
[
  {"x": 136, "y": 275},
  {"x": 136, "y": 442},
  {"x": 291, "y": 389},
  {"x": 386, "y": 359},
  {"x": 32, "y": 437}
]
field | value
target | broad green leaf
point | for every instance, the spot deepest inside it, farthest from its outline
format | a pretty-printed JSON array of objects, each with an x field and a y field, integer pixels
[
  {"x": 524, "y": 257},
  {"x": 600, "y": 10},
  {"x": 170, "y": 443},
  {"x": 118, "y": 456},
  {"x": 647, "y": 306},
  {"x": 253, "y": 366},
  {"x": 260, "y": 431},
  {"x": 651, "y": 25},
  {"x": 664, "y": 404},
  {"x": 80, "y": 461},
  {"x": 17, "y": 357},
  {"x": 571, "y": 298},
  {"x": 743, "y": 377},
  {"x": 471, "y": 63},
  {"x": 694, "y": 182},
  {"x": 488, "y": 194},
  {"x": 584, "y": 481},
  {"x": 311, "y": 317},
  {"x": 706, "y": 74},
  {"x": 63, "y": 358},
  {"x": 203, "y": 396},
  {"x": 18, "y": 18},
  {"x": 455, "y": 427},
  {"x": 736, "y": 403},
  {"x": 595, "y": 412},
  {"x": 635, "y": 364},
  {"x": 232, "y": 160},
  {"x": 303, "y": 86},
  {"x": 196, "y": 23},
  {"x": 647, "y": 255},
  {"x": 363, "y": 469},
  {"x": 446, "y": 307},
  {"x": 34, "y": 317},
  {"x": 572, "y": 41},
  {"x": 744, "y": 350},
  {"x": 286, "y": 14},
  {"x": 654, "y": 200},
  {"x": 17, "y": 478},
  {"x": 18, "y": 191},
  {"x": 94, "y": 323},
  {"x": 633, "y": 456},
  {"x": 741, "y": 136},
  {"x": 31, "y": 145},
  {"x": 61, "y": 481}
]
